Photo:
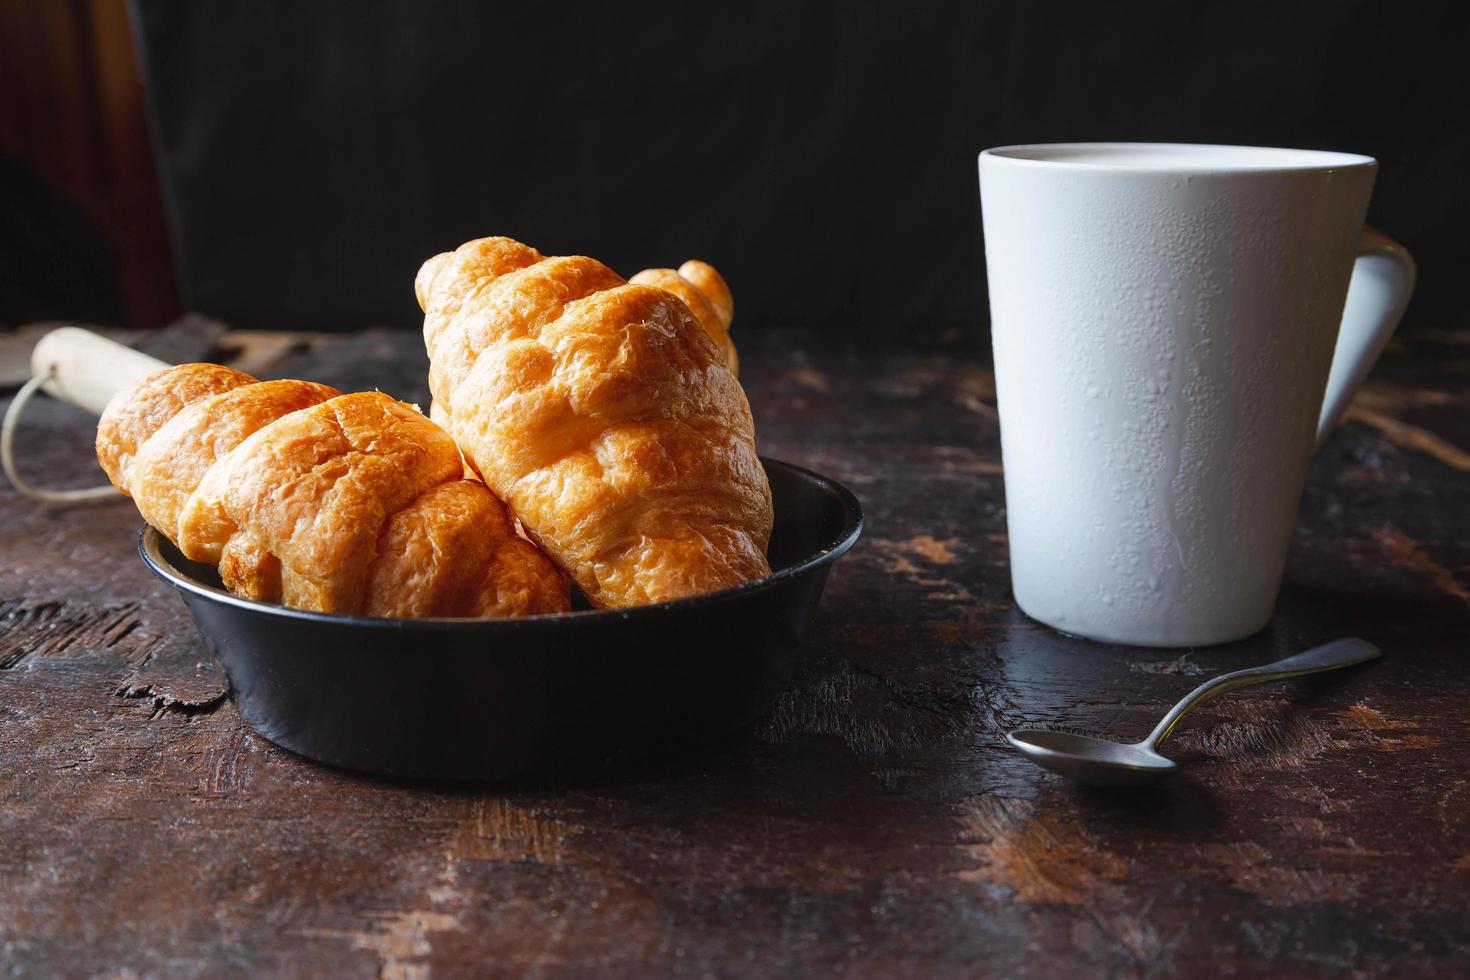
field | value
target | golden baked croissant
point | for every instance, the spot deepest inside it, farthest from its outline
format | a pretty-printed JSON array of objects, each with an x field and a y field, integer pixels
[
  {"x": 703, "y": 290},
  {"x": 603, "y": 414},
  {"x": 334, "y": 503}
]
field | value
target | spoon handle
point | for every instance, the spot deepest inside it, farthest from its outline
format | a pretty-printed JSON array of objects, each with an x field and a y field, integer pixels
[{"x": 1328, "y": 656}]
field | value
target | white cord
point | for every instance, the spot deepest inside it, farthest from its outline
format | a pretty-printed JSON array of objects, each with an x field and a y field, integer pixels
[{"x": 7, "y": 456}]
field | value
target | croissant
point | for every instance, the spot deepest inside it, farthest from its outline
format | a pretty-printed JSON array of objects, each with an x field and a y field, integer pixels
[
  {"x": 336, "y": 503},
  {"x": 703, "y": 290},
  {"x": 604, "y": 414}
]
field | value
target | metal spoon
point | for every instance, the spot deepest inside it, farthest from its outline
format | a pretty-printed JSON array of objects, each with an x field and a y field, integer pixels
[{"x": 1102, "y": 763}]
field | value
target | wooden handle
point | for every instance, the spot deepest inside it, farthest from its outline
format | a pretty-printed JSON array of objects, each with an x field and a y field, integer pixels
[{"x": 87, "y": 370}]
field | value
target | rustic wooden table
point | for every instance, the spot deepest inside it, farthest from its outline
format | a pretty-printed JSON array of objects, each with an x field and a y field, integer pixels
[{"x": 875, "y": 823}]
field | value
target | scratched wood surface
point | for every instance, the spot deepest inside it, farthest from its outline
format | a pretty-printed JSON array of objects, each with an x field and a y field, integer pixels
[{"x": 874, "y": 824}]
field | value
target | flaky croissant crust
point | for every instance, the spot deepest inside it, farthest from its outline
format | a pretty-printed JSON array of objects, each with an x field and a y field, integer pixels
[
  {"x": 604, "y": 414},
  {"x": 704, "y": 291},
  {"x": 334, "y": 503}
]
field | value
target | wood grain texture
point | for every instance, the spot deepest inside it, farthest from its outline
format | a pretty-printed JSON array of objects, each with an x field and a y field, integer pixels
[{"x": 874, "y": 824}]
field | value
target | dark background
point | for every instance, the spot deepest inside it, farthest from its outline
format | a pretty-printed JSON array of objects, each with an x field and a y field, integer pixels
[{"x": 822, "y": 155}]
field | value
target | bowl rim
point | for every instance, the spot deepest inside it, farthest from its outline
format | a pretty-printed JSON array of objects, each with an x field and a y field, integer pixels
[{"x": 150, "y": 542}]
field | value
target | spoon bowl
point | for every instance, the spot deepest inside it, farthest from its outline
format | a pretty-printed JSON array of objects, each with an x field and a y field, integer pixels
[{"x": 1094, "y": 761}]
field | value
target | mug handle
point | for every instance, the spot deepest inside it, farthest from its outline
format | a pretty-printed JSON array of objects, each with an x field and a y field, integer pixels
[{"x": 1383, "y": 281}]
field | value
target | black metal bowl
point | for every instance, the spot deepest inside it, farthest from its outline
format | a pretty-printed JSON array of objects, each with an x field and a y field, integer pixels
[{"x": 491, "y": 698}]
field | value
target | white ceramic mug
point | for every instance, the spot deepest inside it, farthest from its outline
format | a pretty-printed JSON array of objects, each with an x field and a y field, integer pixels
[{"x": 1164, "y": 319}]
